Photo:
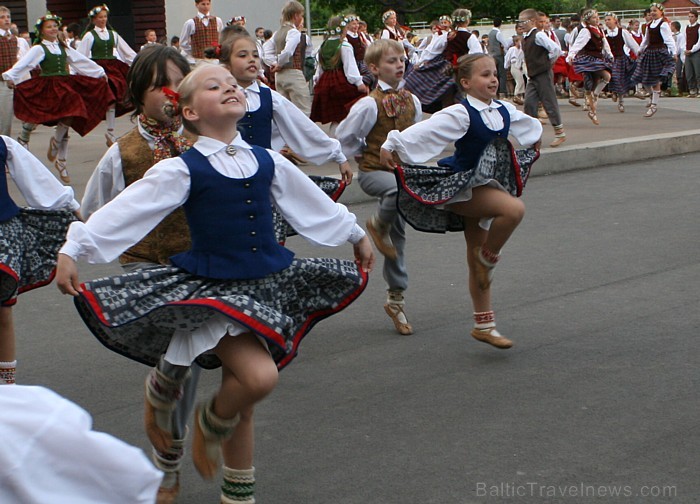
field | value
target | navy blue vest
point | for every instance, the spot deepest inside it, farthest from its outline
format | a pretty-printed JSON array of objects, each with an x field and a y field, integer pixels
[
  {"x": 470, "y": 146},
  {"x": 230, "y": 222},
  {"x": 256, "y": 127},
  {"x": 8, "y": 209}
]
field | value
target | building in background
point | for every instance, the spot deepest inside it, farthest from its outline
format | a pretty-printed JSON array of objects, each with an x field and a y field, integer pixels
[{"x": 132, "y": 17}]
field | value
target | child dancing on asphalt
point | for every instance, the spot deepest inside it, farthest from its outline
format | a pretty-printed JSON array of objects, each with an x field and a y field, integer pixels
[
  {"x": 474, "y": 190},
  {"x": 237, "y": 292},
  {"x": 30, "y": 237},
  {"x": 388, "y": 107}
]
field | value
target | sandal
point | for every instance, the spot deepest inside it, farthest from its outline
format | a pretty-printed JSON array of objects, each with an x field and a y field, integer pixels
[
  {"x": 621, "y": 107},
  {"x": 60, "y": 165},
  {"x": 593, "y": 117},
  {"x": 651, "y": 110}
]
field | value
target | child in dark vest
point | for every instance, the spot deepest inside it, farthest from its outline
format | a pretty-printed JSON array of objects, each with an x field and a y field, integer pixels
[
  {"x": 476, "y": 190},
  {"x": 11, "y": 49},
  {"x": 622, "y": 45},
  {"x": 58, "y": 96},
  {"x": 158, "y": 134},
  {"x": 106, "y": 48},
  {"x": 540, "y": 54},
  {"x": 30, "y": 237},
  {"x": 237, "y": 298},
  {"x": 388, "y": 107}
]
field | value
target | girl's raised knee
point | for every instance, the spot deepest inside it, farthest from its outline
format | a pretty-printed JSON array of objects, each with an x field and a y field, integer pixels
[{"x": 262, "y": 381}]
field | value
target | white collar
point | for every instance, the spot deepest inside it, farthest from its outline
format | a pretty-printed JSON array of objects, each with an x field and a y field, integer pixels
[
  {"x": 4, "y": 33},
  {"x": 531, "y": 30},
  {"x": 691, "y": 25},
  {"x": 208, "y": 146},
  {"x": 479, "y": 105},
  {"x": 351, "y": 34},
  {"x": 613, "y": 32},
  {"x": 385, "y": 87},
  {"x": 202, "y": 16},
  {"x": 48, "y": 42},
  {"x": 656, "y": 22},
  {"x": 463, "y": 29},
  {"x": 254, "y": 87}
]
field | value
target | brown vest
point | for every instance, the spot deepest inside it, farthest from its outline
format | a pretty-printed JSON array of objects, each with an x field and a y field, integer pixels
[
  {"x": 297, "y": 60},
  {"x": 691, "y": 36},
  {"x": 536, "y": 56},
  {"x": 8, "y": 53},
  {"x": 378, "y": 134},
  {"x": 203, "y": 36},
  {"x": 456, "y": 46},
  {"x": 172, "y": 235},
  {"x": 617, "y": 44},
  {"x": 656, "y": 40},
  {"x": 358, "y": 47},
  {"x": 594, "y": 46}
]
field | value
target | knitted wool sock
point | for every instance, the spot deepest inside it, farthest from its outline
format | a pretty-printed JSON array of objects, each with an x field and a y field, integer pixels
[
  {"x": 61, "y": 132},
  {"x": 26, "y": 132},
  {"x": 238, "y": 486},
  {"x": 7, "y": 372},
  {"x": 488, "y": 258},
  {"x": 599, "y": 87},
  {"x": 111, "y": 119},
  {"x": 163, "y": 390},
  {"x": 486, "y": 321},
  {"x": 655, "y": 97},
  {"x": 395, "y": 297},
  {"x": 169, "y": 462},
  {"x": 559, "y": 131}
]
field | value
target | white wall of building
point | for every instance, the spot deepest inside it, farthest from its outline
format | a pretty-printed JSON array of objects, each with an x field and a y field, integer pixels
[
  {"x": 35, "y": 9},
  {"x": 264, "y": 13}
]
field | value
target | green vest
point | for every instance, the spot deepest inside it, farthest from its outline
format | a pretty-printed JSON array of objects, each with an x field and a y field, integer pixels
[
  {"x": 328, "y": 51},
  {"x": 102, "y": 49},
  {"x": 54, "y": 64}
]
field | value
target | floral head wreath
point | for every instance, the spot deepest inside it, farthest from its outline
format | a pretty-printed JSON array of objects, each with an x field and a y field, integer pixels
[
  {"x": 46, "y": 17},
  {"x": 96, "y": 10},
  {"x": 464, "y": 18},
  {"x": 339, "y": 29},
  {"x": 589, "y": 14},
  {"x": 387, "y": 15},
  {"x": 611, "y": 14},
  {"x": 236, "y": 19},
  {"x": 445, "y": 18},
  {"x": 658, "y": 6}
]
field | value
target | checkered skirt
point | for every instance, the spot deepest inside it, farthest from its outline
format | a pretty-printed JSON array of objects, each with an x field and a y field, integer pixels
[
  {"x": 117, "y": 71},
  {"x": 431, "y": 80},
  {"x": 29, "y": 244},
  {"x": 423, "y": 189},
  {"x": 584, "y": 63},
  {"x": 652, "y": 66},
  {"x": 136, "y": 314},
  {"x": 622, "y": 70}
]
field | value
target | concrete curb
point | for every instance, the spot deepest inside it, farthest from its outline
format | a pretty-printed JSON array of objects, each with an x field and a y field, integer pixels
[{"x": 590, "y": 155}]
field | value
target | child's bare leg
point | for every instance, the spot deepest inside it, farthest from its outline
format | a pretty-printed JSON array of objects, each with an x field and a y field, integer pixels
[
  {"x": 484, "y": 319},
  {"x": 7, "y": 346},
  {"x": 248, "y": 375}
]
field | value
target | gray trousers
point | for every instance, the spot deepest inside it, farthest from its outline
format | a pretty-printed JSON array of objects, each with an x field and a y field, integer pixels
[
  {"x": 6, "y": 108},
  {"x": 382, "y": 185},
  {"x": 502, "y": 74},
  {"x": 185, "y": 405},
  {"x": 540, "y": 88},
  {"x": 692, "y": 70}
]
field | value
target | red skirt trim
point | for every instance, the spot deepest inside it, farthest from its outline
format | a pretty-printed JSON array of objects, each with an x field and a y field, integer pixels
[{"x": 48, "y": 100}]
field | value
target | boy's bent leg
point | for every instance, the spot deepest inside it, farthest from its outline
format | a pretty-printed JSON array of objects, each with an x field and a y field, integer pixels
[{"x": 164, "y": 386}]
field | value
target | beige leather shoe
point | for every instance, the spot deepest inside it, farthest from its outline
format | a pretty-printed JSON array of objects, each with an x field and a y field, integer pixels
[
  {"x": 398, "y": 317},
  {"x": 492, "y": 337}
]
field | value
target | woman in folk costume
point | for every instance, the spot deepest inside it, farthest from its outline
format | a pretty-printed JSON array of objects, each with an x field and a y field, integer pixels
[
  {"x": 432, "y": 79},
  {"x": 57, "y": 97},
  {"x": 337, "y": 82},
  {"x": 591, "y": 57},
  {"x": 359, "y": 46},
  {"x": 622, "y": 44},
  {"x": 656, "y": 58},
  {"x": 106, "y": 48}
]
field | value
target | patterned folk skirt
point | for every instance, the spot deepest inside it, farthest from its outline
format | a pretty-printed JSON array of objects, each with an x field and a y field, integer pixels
[
  {"x": 116, "y": 71},
  {"x": 653, "y": 65},
  {"x": 332, "y": 96},
  {"x": 29, "y": 244},
  {"x": 586, "y": 63},
  {"x": 138, "y": 314},
  {"x": 622, "y": 69},
  {"x": 431, "y": 80},
  {"x": 426, "y": 192},
  {"x": 333, "y": 188},
  {"x": 47, "y": 100}
]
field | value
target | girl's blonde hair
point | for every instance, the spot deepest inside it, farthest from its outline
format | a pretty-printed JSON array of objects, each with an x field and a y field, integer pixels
[
  {"x": 229, "y": 36},
  {"x": 291, "y": 9},
  {"x": 465, "y": 66},
  {"x": 186, "y": 91}
]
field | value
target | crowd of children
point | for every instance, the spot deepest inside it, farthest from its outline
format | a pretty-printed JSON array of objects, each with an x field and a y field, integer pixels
[{"x": 208, "y": 281}]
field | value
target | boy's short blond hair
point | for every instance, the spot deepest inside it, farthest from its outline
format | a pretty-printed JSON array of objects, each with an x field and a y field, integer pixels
[
  {"x": 291, "y": 9},
  {"x": 529, "y": 14},
  {"x": 379, "y": 48},
  {"x": 4, "y": 9}
]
